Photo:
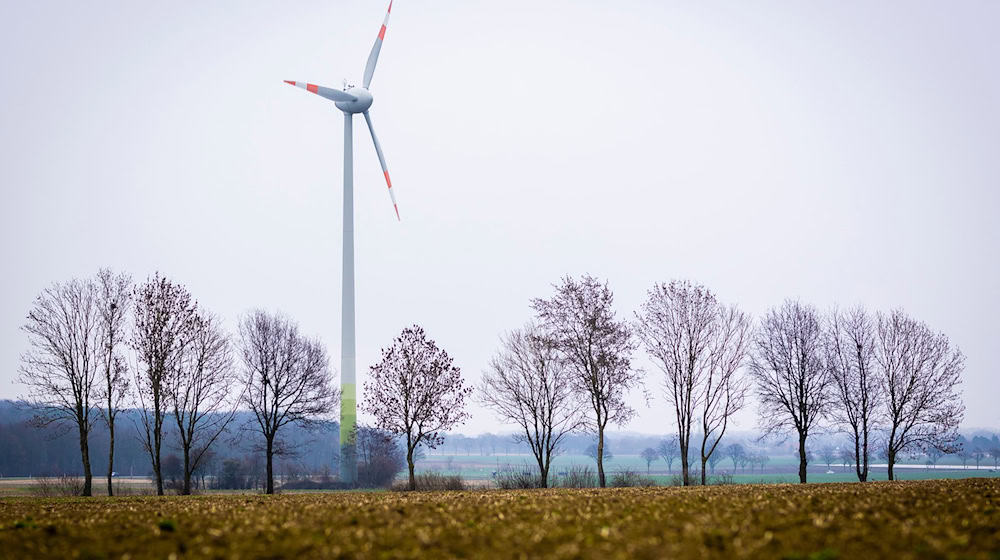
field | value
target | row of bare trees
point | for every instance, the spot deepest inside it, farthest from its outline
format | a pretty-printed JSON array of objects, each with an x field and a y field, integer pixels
[
  {"x": 101, "y": 344},
  {"x": 571, "y": 370},
  {"x": 882, "y": 375}
]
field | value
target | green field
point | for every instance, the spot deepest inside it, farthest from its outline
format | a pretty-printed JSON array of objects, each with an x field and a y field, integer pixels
[
  {"x": 929, "y": 519},
  {"x": 778, "y": 469}
]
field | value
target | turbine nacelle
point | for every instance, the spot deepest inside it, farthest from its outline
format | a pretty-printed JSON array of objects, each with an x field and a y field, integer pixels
[{"x": 362, "y": 100}]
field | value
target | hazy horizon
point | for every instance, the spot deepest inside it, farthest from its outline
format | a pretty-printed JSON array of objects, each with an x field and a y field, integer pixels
[{"x": 839, "y": 153}]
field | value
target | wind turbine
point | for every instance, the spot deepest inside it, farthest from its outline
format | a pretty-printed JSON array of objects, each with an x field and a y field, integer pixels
[{"x": 352, "y": 100}]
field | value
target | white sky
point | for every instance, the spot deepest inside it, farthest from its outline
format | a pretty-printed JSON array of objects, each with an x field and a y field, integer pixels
[{"x": 837, "y": 152}]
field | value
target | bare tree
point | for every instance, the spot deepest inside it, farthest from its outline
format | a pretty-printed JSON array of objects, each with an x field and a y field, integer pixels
[
  {"x": 725, "y": 388},
  {"x": 763, "y": 459},
  {"x": 527, "y": 384},
  {"x": 164, "y": 314},
  {"x": 933, "y": 456},
  {"x": 856, "y": 394},
  {"x": 287, "y": 379},
  {"x": 921, "y": 373},
  {"x": 736, "y": 453},
  {"x": 714, "y": 460},
  {"x": 847, "y": 457},
  {"x": 792, "y": 379},
  {"x": 606, "y": 453},
  {"x": 596, "y": 347},
  {"x": 964, "y": 455},
  {"x": 202, "y": 392},
  {"x": 649, "y": 455},
  {"x": 829, "y": 454},
  {"x": 700, "y": 346},
  {"x": 416, "y": 391},
  {"x": 114, "y": 299},
  {"x": 61, "y": 367},
  {"x": 669, "y": 449}
]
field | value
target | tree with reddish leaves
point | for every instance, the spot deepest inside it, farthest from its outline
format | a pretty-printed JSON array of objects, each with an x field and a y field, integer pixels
[
  {"x": 416, "y": 391},
  {"x": 164, "y": 314},
  {"x": 597, "y": 349}
]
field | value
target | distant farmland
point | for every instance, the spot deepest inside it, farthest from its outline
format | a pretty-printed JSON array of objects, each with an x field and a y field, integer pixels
[
  {"x": 779, "y": 469},
  {"x": 928, "y": 519}
]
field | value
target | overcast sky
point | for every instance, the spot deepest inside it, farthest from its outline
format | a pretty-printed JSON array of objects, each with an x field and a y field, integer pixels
[{"x": 836, "y": 152}]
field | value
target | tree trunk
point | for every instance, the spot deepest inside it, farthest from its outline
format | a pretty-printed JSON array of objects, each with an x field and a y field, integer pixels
[
  {"x": 270, "y": 466},
  {"x": 685, "y": 470},
  {"x": 861, "y": 456},
  {"x": 157, "y": 439},
  {"x": 543, "y": 472},
  {"x": 159, "y": 478},
  {"x": 704, "y": 460},
  {"x": 892, "y": 462},
  {"x": 85, "y": 455},
  {"x": 802, "y": 458},
  {"x": 111, "y": 454},
  {"x": 600, "y": 457},
  {"x": 187, "y": 472},
  {"x": 409, "y": 464}
]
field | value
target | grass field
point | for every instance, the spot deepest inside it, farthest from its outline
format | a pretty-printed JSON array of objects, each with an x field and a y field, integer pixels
[
  {"x": 924, "y": 519},
  {"x": 779, "y": 469}
]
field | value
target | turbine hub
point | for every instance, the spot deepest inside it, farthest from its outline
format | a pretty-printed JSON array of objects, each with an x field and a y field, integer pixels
[{"x": 361, "y": 105}]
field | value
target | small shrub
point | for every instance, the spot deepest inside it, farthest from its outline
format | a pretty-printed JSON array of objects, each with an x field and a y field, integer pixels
[
  {"x": 722, "y": 479},
  {"x": 627, "y": 478},
  {"x": 133, "y": 490},
  {"x": 433, "y": 482},
  {"x": 50, "y": 486},
  {"x": 510, "y": 478},
  {"x": 578, "y": 477},
  {"x": 322, "y": 484},
  {"x": 381, "y": 458},
  {"x": 694, "y": 476}
]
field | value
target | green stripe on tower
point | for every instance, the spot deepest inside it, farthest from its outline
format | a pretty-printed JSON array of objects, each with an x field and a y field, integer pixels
[{"x": 348, "y": 420}]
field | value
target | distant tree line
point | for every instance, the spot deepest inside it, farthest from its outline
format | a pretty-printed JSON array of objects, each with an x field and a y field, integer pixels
[{"x": 52, "y": 451}]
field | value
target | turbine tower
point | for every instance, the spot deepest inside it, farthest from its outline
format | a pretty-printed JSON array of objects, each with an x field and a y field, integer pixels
[{"x": 352, "y": 100}]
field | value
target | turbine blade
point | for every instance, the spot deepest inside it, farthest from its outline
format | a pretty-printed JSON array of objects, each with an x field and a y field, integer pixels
[
  {"x": 381, "y": 160},
  {"x": 376, "y": 48},
  {"x": 329, "y": 93}
]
